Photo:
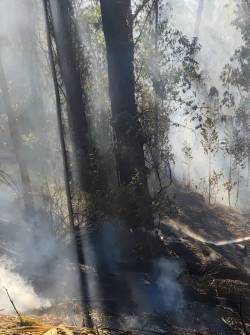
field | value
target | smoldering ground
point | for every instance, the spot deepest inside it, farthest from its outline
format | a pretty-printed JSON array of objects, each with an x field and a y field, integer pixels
[{"x": 38, "y": 266}]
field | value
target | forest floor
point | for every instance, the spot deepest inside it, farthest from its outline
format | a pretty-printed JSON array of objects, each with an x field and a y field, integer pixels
[
  {"x": 213, "y": 243},
  {"x": 35, "y": 325},
  {"x": 9, "y": 325},
  {"x": 210, "y": 244}
]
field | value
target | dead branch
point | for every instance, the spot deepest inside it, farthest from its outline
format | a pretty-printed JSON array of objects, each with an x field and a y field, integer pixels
[
  {"x": 140, "y": 8},
  {"x": 12, "y": 303}
]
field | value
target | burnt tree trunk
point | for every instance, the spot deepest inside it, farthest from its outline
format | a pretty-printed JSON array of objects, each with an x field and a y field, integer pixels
[
  {"x": 66, "y": 166},
  {"x": 69, "y": 59},
  {"x": 129, "y": 139}
]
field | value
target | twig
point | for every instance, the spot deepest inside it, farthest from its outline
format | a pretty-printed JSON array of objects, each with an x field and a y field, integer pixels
[
  {"x": 143, "y": 25},
  {"x": 150, "y": 331},
  {"x": 119, "y": 331},
  {"x": 8, "y": 250},
  {"x": 140, "y": 8},
  {"x": 12, "y": 303}
]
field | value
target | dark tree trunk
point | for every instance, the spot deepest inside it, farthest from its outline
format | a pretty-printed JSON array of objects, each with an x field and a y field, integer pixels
[
  {"x": 75, "y": 228},
  {"x": 117, "y": 27},
  {"x": 69, "y": 59},
  {"x": 17, "y": 145}
]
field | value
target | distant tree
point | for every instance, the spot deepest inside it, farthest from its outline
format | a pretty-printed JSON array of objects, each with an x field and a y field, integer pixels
[
  {"x": 234, "y": 145},
  {"x": 17, "y": 145},
  {"x": 215, "y": 183},
  {"x": 29, "y": 45},
  {"x": 188, "y": 155},
  {"x": 239, "y": 154},
  {"x": 166, "y": 74},
  {"x": 236, "y": 77},
  {"x": 243, "y": 123},
  {"x": 210, "y": 144},
  {"x": 198, "y": 18}
]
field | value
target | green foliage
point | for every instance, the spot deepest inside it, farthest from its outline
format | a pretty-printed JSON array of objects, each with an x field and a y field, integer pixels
[
  {"x": 166, "y": 73},
  {"x": 237, "y": 72}
]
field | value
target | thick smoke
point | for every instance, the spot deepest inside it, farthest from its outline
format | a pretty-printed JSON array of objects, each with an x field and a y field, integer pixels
[
  {"x": 36, "y": 266},
  {"x": 171, "y": 290},
  {"x": 34, "y": 262},
  {"x": 20, "y": 291},
  {"x": 36, "y": 252}
]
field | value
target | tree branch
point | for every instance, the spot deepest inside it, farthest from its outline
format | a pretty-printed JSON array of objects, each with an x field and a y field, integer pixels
[{"x": 140, "y": 8}]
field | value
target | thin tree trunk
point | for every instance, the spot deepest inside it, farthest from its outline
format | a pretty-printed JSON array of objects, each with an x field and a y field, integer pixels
[
  {"x": 209, "y": 178},
  {"x": 117, "y": 27},
  {"x": 156, "y": 151},
  {"x": 198, "y": 18},
  {"x": 30, "y": 52},
  {"x": 156, "y": 24},
  {"x": 75, "y": 228},
  {"x": 238, "y": 187},
  {"x": 189, "y": 181},
  {"x": 17, "y": 145},
  {"x": 248, "y": 168},
  {"x": 230, "y": 180}
]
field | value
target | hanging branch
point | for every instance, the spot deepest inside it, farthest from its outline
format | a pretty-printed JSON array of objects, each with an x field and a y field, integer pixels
[{"x": 7, "y": 179}]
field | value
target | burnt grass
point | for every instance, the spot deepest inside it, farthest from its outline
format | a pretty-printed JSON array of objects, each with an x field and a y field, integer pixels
[{"x": 214, "y": 279}]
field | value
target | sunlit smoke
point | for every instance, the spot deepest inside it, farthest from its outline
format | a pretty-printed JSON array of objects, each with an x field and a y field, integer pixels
[{"x": 21, "y": 291}]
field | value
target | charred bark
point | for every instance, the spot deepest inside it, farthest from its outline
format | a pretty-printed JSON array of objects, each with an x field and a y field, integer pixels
[
  {"x": 75, "y": 228},
  {"x": 69, "y": 56},
  {"x": 129, "y": 139}
]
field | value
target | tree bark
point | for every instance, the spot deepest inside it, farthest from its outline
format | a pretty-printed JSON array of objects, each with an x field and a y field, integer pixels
[
  {"x": 69, "y": 55},
  {"x": 117, "y": 27},
  {"x": 75, "y": 228}
]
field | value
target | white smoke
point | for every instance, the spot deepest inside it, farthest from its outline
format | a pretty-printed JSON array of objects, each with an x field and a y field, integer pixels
[
  {"x": 172, "y": 292},
  {"x": 20, "y": 290}
]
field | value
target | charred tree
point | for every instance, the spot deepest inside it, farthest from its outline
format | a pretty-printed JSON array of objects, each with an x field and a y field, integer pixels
[
  {"x": 66, "y": 166},
  {"x": 129, "y": 139},
  {"x": 68, "y": 49}
]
